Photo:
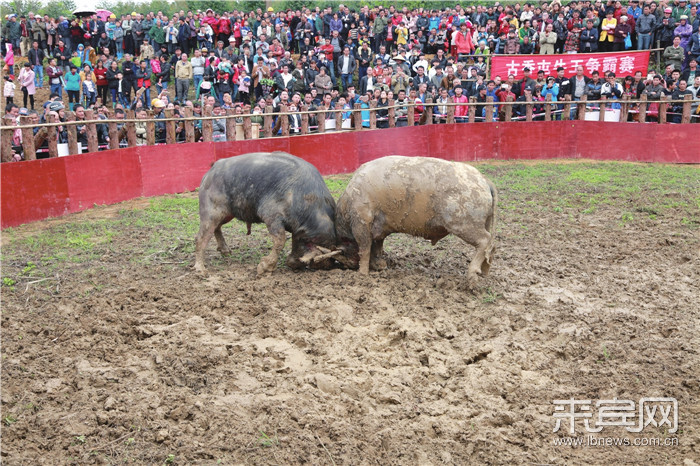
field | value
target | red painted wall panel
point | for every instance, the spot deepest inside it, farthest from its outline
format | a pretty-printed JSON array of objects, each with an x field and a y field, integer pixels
[
  {"x": 331, "y": 153},
  {"x": 232, "y": 148},
  {"x": 33, "y": 191},
  {"x": 45, "y": 188},
  {"x": 175, "y": 168},
  {"x": 103, "y": 178}
]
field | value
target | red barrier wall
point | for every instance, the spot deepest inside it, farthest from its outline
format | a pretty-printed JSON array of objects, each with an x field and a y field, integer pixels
[{"x": 47, "y": 188}]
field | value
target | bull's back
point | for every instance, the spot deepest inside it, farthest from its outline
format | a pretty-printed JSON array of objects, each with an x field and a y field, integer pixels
[
  {"x": 418, "y": 195},
  {"x": 252, "y": 185}
]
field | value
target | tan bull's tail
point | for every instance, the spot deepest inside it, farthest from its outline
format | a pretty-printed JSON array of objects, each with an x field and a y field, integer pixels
[{"x": 491, "y": 227}]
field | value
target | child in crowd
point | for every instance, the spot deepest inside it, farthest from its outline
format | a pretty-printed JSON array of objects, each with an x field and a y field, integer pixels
[
  {"x": 243, "y": 87},
  {"x": 89, "y": 91},
  {"x": 9, "y": 90}
]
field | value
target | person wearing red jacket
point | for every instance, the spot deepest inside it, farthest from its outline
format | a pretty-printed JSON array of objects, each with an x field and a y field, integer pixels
[
  {"x": 463, "y": 41},
  {"x": 461, "y": 111},
  {"x": 101, "y": 81},
  {"x": 326, "y": 48},
  {"x": 224, "y": 25}
]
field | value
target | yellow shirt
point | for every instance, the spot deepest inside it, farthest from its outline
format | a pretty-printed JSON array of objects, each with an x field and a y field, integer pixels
[{"x": 611, "y": 24}]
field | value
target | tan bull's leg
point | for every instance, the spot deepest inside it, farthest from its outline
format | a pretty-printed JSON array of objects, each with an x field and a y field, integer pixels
[
  {"x": 377, "y": 262},
  {"x": 364, "y": 242}
]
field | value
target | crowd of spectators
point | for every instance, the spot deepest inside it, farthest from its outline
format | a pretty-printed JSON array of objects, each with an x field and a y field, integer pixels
[{"x": 337, "y": 57}]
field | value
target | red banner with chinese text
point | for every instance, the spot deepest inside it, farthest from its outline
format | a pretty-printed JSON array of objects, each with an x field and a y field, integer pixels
[{"x": 620, "y": 63}]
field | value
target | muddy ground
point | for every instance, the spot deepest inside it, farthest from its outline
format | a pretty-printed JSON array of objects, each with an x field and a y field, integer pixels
[{"x": 123, "y": 354}]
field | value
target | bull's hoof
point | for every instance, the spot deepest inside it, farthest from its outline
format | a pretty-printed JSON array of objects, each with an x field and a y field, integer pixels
[
  {"x": 225, "y": 251},
  {"x": 265, "y": 269},
  {"x": 200, "y": 269},
  {"x": 294, "y": 263},
  {"x": 378, "y": 264}
]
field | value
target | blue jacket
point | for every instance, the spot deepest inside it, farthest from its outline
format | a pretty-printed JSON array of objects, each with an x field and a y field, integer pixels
[{"x": 72, "y": 81}]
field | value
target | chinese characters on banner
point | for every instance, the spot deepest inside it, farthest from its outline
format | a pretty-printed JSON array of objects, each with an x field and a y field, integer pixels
[{"x": 620, "y": 63}]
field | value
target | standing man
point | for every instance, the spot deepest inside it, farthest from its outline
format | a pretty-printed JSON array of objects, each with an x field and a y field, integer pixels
[
  {"x": 183, "y": 76},
  {"x": 36, "y": 58},
  {"x": 346, "y": 67}
]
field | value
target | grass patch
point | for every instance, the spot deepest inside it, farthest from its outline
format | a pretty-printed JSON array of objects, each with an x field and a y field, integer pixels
[{"x": 162, "y": 233}]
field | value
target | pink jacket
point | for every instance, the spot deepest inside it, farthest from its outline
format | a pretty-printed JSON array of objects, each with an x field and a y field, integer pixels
[{"x": 26, "y": 79}]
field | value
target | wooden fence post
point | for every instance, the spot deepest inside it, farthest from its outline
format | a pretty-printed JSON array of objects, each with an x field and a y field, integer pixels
[
  {"x": 624, "y": 108},
  {"x": 548, "y": 108},
  {"x": 663, "y": 108},
  {"x": 7, "y": 138},
  {"x": 91, "y": 130},
  {"x": 284, "y": 120},
  {"x": 508, "y": 110},
  {"x": 411, "y": 113},
  {"x": 53, "y": 137},
  {"x": 489, "y": 109},
  {"x": 113, "y": 134},
  {"x": 472, "y": 110},
  {"x": 248, "y": 128},
  {"x": 450, "y": 111},
  {"x": 130, "y": 129},
  {"x": 428, "y": 112},
  {"x": 230, "y": 125},
  {"x": 72, "y": 134},
  {"x": 528, "y": 108},
  {"x": 567, "y": 108},
  {"x": 643, "y": 108},
  {"x": 582, "y": 107},
  {"x": 357, "y": 114},
  {"x": 392, "y": 114},
  {"x": 373, "y": 114},
  {"x": 601, "y": 108},
  {"x": 321, "y": 119},
  {"x": 150, "y": 130},
  {"x": 304, "y": 119},
  {"x": 27, "y": 139},
  {"x": 339, "y": 120},
  {"x": 207, "y": 125},
  {"x": 189, "y": 125},
  {"x": 267, "y": 121},
  {"x": 686, "y": 108}
]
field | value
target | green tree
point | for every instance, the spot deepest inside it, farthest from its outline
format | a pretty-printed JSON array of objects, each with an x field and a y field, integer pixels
[
  {"x": 20, "y": 7},
  {"x": 56, "y": 9}
]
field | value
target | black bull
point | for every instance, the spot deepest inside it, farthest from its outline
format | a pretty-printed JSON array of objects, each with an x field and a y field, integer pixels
[{"x": 278, "y": 189}]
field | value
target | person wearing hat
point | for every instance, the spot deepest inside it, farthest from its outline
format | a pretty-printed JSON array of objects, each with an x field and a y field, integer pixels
[
  {"x": 621, "y": 34},
  {"x": 684, "y": 30},
  {"x": 682, "y": 9},
  {"x": 664, "y": 28}
]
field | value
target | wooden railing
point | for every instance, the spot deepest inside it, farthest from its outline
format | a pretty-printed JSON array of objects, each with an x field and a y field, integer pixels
[{"x": 122, "y": 132}]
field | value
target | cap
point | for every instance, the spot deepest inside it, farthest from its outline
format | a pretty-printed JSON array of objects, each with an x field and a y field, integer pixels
[
  {"x": 204, "y": 49},
  {"x": 668, "y": 10},
  {"x": 23, "y": 111},
  {"x": 157, "y": 103},
  {"x": 399, "y": 57},
  {"x": 56, "y": 106},
  {"x": 684, "y": 16},
  {"x": 526, "y": 68},
  {"x": 232, "y": 39},
  {"x": 528, "y": 88}
]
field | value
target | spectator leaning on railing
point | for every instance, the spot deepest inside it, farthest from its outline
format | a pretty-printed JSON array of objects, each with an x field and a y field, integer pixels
[{"x": 237, "y": 55}]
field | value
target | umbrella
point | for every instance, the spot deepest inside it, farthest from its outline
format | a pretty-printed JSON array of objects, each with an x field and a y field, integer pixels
[
  {"x": 104, "y": 14},
  {"x": 83, "y": 12}
]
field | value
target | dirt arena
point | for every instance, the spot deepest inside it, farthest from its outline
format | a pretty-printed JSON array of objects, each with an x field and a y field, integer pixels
[{"x": 115, "y": 351}]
